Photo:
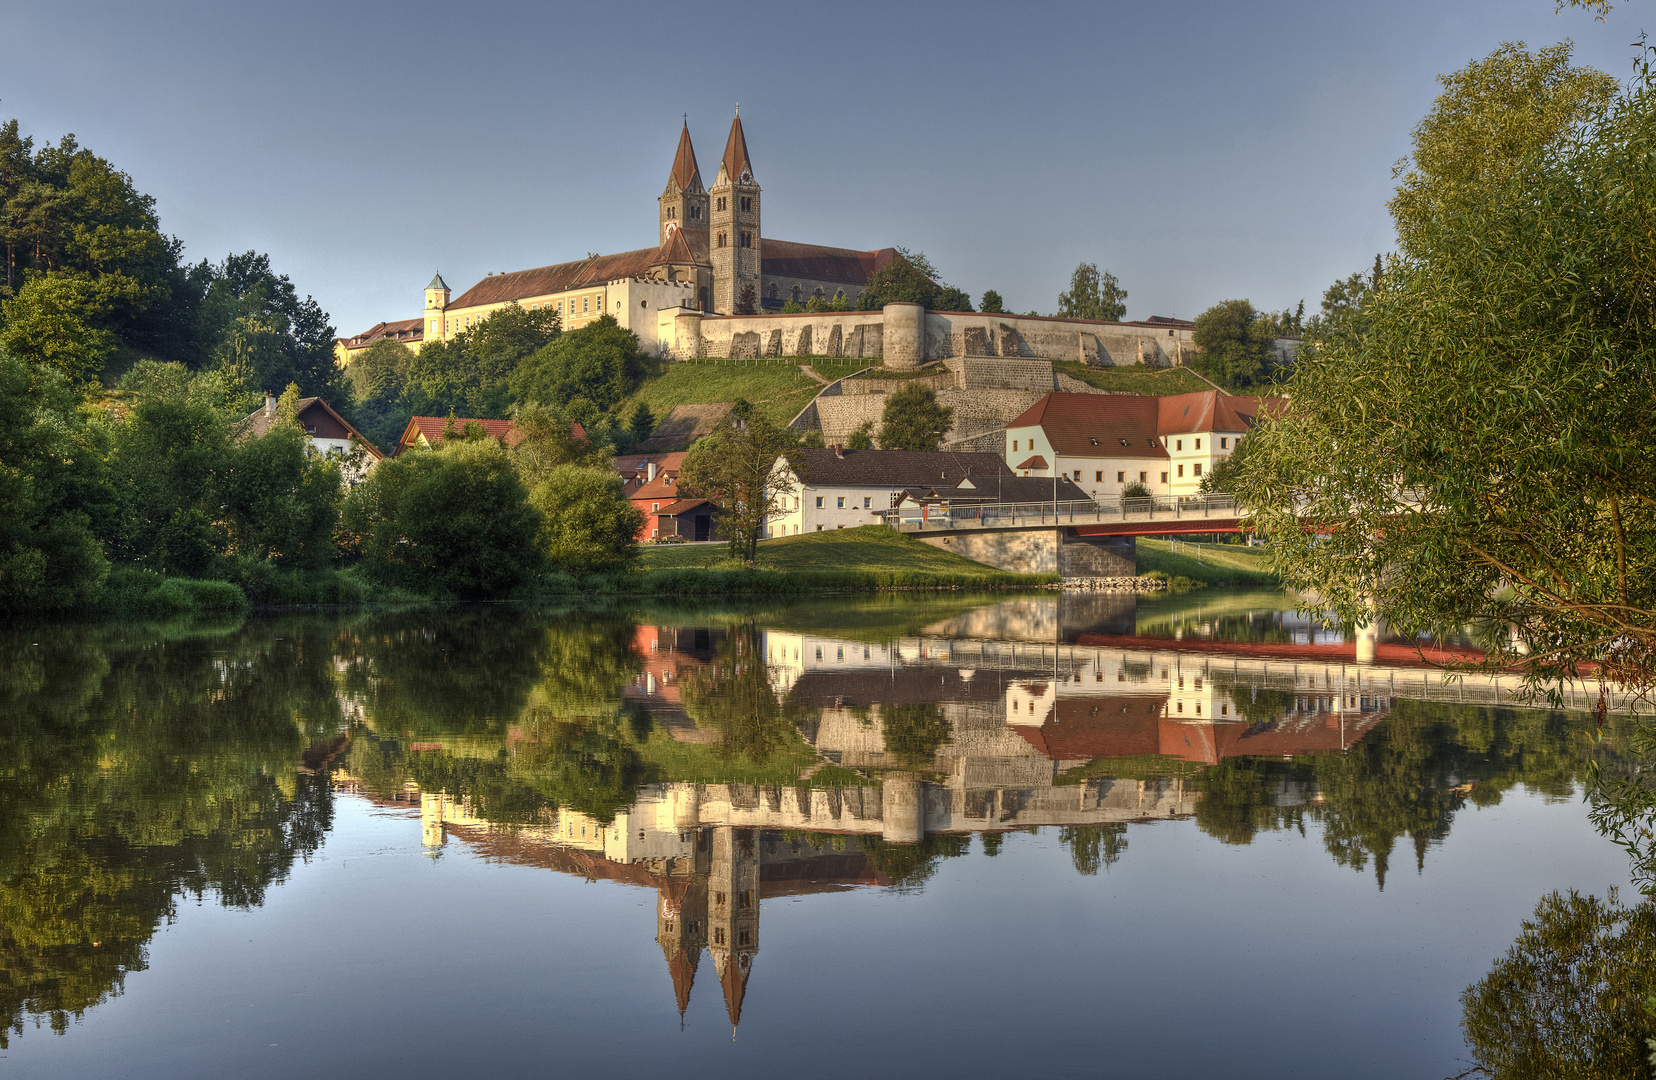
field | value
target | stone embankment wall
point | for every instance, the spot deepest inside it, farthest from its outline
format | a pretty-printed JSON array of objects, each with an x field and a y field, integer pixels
[
  {"x": 1039, "y": 550},
  {"x": 903, "y": 337}
]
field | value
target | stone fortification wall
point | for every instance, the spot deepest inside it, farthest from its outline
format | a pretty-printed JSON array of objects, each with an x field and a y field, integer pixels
[
  {"x": 739, "y": 337},
  {"x": 979, "y": 373},
  {"x": 943, "y": 380},
  {"x": 917, "y": 337}
]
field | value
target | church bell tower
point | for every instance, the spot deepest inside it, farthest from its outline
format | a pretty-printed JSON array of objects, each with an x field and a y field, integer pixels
[
  {"x": 684, "y": 201},
  {"x": 733, "y": 238}
]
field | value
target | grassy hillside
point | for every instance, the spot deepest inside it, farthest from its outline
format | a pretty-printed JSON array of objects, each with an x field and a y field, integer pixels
[
  {"x": 1215, "y": 564},
  {"x": 1158, "y": 382},
  {"x": 870, "y": 549},
  {"x": 777, "y": 386}
]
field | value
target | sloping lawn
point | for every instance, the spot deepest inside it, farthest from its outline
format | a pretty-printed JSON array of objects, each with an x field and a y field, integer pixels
[
  {"x": 1157, "y": 382},
  {"x": 1216, "y": 564},
  {"x": 775, "y": 385},
  {"x": 872, "y": 548}
]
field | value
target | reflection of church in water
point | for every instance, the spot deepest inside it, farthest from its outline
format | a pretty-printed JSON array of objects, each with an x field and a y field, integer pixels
[{"x": 1030, "y": 727}]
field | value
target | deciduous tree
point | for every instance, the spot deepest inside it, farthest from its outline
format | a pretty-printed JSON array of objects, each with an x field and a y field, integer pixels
[
  {"x": 732, "y": 466},
  {"x": 913, "y": 420},
  {"x": 1093, "y": 294}
]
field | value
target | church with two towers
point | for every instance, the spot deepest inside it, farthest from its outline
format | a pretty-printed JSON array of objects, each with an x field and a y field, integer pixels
[{"x": 711, "y": 255}]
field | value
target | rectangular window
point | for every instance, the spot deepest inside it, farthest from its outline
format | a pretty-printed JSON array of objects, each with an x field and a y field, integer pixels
[
  {"x": 819, "y": 528},
  {"x": 1164, "y": 478},
  {"x": 1224, "y": 444},
  {"x": 654, "y": 507},
  {"x": 1077, "y": 474},
  {"x": 868, "y": 503},
  {"x": 1146, "y": 476},
  {"x": 1014, "y": 445},
  {"x": 1178, "y": 444},
  {"x": 841, "y": 502},
  {"x": 1121, "y": 477},
  {"x": 1098, "y": 477},
  {"x": 586, "y": 303},
  {"x": 819, "y": 502},
  {"x": 1181, "y": 470},
  {"x": 1198, "y": 468},
  {"x": 1198, "y": 444}
]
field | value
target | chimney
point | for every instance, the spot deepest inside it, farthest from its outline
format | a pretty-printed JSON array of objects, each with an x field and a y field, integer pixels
[
  {"x": 839, "y": 451},
  {"x": 649, "y": 471},
  {"x": 270, "y": 403}
]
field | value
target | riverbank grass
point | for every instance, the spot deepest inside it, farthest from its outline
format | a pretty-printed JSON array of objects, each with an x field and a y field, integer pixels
[
  {"x": 1210, "y": 564},
  {"x": 872, "y": 556}
]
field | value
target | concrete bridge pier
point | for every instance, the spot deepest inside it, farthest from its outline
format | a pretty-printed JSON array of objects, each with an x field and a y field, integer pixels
[
  {"x": 1368, "y": 637},
  {"x": 686, "y": 804},
  {"x": 902, "y": 809}
]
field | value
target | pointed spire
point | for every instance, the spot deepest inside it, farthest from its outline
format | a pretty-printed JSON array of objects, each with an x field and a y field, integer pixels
[
  {"x": 733, "y": 980},
  {"x": 437, "y": 282},
  {"x": 686, "y": 176},
  {"x": 736, "y": 155},
  {"x": 681, "y": 964}
]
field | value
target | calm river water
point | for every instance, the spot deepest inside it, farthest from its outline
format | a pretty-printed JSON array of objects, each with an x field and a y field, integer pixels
[{"x": 968, "y": 836}]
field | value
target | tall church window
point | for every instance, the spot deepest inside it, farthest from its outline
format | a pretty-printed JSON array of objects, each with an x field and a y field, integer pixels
[
  {"x": 747, "y": 239},
  {"x": 747, "y": 203},
  {"x": 695, "y": 213},
  {"x": 722, "y": 238}
]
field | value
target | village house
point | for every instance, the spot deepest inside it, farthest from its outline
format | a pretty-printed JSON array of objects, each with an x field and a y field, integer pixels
[
  {"x": 427, "y": 432},
  {"x": 1106, "y": 442},
  {"x": 651, "y": 484},
  {"x": 329, "y": 432},
  {"x": 846, "y": 488}
]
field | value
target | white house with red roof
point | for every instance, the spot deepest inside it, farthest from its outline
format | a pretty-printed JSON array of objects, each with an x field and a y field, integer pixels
[{"x": 1105, "y": 442}]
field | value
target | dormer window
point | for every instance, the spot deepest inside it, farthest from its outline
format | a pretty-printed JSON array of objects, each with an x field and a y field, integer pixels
[
  {"x": 1093, "y": 441},
  {"x": 1124, "y": 442}
]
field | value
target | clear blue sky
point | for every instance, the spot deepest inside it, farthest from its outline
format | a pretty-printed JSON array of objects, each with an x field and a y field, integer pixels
[{"x": 1200, "y": 150}]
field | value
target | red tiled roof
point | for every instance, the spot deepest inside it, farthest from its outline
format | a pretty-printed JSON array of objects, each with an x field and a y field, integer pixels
[
  {"x": 1036, "y": 462},
  {"x": 1210, "y": 410},
  {"x": 629, "y": 465},
  {"x": 789, "y": 259},
  {"x": 432, "y": 428},
  {"x": 686, "y": 175},
  {"x": 1096, "y": 425},
  {"x": 1084, "y": 728},
  {"x": 736, "y": 155},
  {"x": 401, "y": 330}
]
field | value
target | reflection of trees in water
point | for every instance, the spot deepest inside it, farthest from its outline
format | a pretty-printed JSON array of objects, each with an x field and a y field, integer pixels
[
  {"x": 907, "y": 867},
  {"x": 142, "y": 768},
  {"x": 1406, "y": 778},
  {"x": 1094, "y": 847},
  {"x": 551, "y": 731},
  {"x": 732, "y": 695},
  {"x": 914, "y": 733},
  {"x": 445, "y": 673},
  {"x": 1575, "y": 996}
]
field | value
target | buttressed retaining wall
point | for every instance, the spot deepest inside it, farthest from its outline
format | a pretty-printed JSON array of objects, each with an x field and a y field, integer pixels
[{"x": 904, "y": 336}]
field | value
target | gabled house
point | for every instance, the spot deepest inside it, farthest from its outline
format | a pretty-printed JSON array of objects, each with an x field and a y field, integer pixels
[
  {"x": 426, "y": 432},
  {"x": 846, "y": 488},
  {"x": 651, "y": 484},
  {"x": 1106, "y": 442},
  {"x": 329, "y": 432}
]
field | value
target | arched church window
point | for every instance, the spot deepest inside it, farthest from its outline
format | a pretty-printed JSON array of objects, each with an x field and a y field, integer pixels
[
  {"x": 797, "y": 292},
  {"x": 773, "y": 290},
  {"x": 695, "y": 213}
]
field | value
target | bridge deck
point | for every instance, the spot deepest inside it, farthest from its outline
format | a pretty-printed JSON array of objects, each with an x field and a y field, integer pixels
[{"x": 1158, "y": 515}]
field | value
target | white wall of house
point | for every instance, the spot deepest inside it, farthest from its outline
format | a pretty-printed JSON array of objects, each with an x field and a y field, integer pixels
[
  {"x": 1192, "y": 455},
  {"x": 820, "y": 509},
  {"x": 1102, "y": 477}
]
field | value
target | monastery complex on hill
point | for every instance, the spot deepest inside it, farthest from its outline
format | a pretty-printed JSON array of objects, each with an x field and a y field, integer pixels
[{"x": 680, "y": 296}]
